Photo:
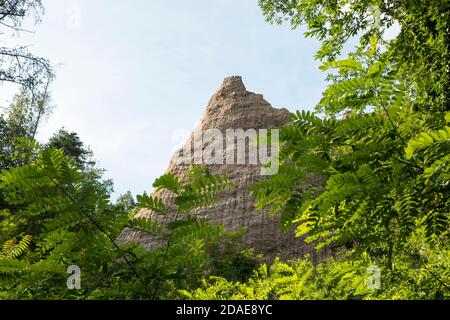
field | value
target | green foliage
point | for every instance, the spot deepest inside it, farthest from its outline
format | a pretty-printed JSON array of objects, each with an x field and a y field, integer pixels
[
  {"x": 66, "y": 212},
  {"x": 60, "y": 215},
  {"x": 127, "y": 201},
  {"x": 71, "y": 145},
  {"x": 154, "y": 204},
  {"x": 167, "y": 181},
  {"x": 420, "y": 51},
  {"x": 18, "y": 127},
  {"x": 146, "y": 225},
  {"x": 186, "y": 236},
  {"x": 31, "y": 73},
  {"x": 297, "y": 280},
  {"x": 433, "y": 142},
  {"x": 373, "y": 184},
  {"x": 11, "y": 249},
  {"x": 349, "y": 277},
  {"x": 378, "y": 189},
  {"x": 375, "y": 180}
]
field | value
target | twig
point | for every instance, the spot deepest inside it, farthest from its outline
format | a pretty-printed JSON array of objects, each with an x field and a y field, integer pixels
[
  {"x": 158, "y": 277},
  {"x": 98, "y": 226}
]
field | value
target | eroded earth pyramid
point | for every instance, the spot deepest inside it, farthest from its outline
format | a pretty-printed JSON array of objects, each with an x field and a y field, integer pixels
[{"x": 233, "y": 107}]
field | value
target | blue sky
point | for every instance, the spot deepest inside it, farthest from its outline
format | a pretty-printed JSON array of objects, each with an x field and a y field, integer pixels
[{"x": 131, "y": 74}]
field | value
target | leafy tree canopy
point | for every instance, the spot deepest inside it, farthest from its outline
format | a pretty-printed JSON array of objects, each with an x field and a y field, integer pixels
[
  {"x": 421, "y": 51},
  {"x": 71, "y": 145}
]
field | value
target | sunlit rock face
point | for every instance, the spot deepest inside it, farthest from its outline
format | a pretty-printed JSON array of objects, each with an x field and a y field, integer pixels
[{"x": 233, "y": 107}]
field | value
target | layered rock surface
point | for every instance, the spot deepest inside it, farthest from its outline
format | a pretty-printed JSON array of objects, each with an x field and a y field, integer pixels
[{"x": 233, "y": 107}]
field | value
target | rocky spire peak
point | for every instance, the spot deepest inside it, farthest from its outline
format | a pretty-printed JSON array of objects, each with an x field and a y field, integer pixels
[
  {"x": 230, "y": 85},
  {"x": 233, "y": 107}
]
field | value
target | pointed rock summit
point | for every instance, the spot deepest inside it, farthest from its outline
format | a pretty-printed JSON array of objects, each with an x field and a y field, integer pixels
[
  {"x": 230, "y": 85},
  {"x": 233, "y": 107}
]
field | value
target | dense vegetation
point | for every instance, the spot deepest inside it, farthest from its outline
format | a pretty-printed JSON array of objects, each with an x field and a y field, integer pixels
[{"x": 380, "y": 140}]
